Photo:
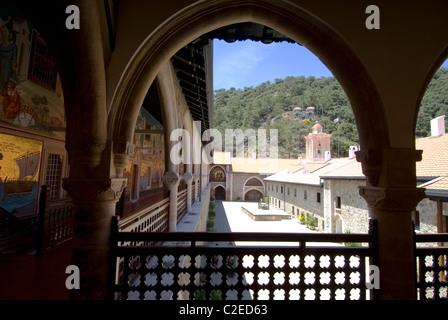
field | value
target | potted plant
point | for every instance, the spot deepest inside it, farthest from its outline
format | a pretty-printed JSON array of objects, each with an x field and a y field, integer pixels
[
  {"x": 310, "y": 221},
  {"x": 301, "y": 217}
]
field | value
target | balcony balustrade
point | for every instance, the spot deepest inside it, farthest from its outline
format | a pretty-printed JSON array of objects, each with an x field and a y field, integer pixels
[{"x": 242, "y": 266}]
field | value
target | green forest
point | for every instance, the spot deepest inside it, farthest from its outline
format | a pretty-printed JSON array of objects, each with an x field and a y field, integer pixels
[{"x": 270, "y": 106}]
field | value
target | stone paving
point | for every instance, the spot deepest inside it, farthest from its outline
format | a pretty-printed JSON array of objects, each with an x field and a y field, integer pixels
[{"x": 230, "y": 218}]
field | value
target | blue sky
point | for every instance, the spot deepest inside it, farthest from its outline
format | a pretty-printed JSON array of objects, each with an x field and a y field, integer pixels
[{"x": 250, "y": 63}]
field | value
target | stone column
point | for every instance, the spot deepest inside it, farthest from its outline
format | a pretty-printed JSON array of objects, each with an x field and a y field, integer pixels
[
  {"x": 392, "y": 208},
  {"x": 196, "y": 189},
  {"x": 188, "y": 178},
  {"x": 392, "y": 196},
  {"x": 171, "y": 181},
  {"x": 94, "y": 202}
]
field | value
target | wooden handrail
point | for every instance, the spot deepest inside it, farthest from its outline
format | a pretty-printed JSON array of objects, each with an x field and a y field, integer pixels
[
  {"x": 128, "y": 221},
  {"x": 13, "y": 218},
  {"x": 54, "y": 221}
]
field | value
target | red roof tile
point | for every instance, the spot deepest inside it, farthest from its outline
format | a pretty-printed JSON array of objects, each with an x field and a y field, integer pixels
[{"x": 435, "y": 156}]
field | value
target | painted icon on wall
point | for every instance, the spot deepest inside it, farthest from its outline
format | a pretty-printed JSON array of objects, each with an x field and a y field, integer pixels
[{"x": 19, "y": 174}]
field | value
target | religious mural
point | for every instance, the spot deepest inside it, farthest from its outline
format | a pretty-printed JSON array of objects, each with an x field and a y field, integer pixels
[
  {"x": 31, "y": 97},
  {"x": 147, "y": 166},
  {"x": 19, "y": 173},
  {"x": 217, "y": 174},
  {"x": 150, "y": 151}
]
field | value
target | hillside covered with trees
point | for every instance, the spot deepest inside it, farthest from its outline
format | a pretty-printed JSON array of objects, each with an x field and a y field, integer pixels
[{"x": 270, "y": 106}]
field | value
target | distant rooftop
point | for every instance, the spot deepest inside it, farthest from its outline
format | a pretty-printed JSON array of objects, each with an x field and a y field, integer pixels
[{"x": 435, "y": 156}]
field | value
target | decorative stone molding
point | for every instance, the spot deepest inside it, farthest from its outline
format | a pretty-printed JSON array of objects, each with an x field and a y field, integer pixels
[
  {"x": 97, "y": 146},
  {"x": 121, "y": 159},
  {"x": 371, "y": 164},
  {"x": 92, "y": 190},
  {"x": 187, "y": 177},
  {"x": 392, "y": 199},
  {"x": 170, "y": 179}
]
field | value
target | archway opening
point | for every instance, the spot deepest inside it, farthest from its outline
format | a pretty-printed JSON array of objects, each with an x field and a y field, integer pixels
[
  {"x": 220, "y": 193},
  {"x": 318, "y": 37},
  {"x": 253, "y": 195},
  {"x": 289, "y": 20}
]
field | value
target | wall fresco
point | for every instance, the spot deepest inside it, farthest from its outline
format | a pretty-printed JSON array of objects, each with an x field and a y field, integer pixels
[
  {"x": 19, "y": 173},
  {"x": 31, "y": 97}
]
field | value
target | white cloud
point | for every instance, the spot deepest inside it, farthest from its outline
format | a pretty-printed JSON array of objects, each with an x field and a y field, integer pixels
[{"x": 234, "y": 62}]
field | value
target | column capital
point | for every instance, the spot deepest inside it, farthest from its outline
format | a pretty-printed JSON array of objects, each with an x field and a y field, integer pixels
[
  {"x": 392, "y": 199},
  {"x": 393, "y": 166},
  {"x": 86, "y": 190},
  {"x": 171, "y": 179},
  {"x": 371, "y": 164},
  {"x": 187, "y": 177}
]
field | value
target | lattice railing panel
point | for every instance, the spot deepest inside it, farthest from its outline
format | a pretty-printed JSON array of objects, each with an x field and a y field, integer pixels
[
  {"x": 180, "y": 270},
  {"x": 432, "y": 267}
]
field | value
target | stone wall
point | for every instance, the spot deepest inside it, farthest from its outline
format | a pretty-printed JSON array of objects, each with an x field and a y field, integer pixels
[
  {"x": 353, "y": 212},
  {"x": 237, "y": 186},
  {"x": 428, "y": 215},
  {"x": 295, "y": 198}
]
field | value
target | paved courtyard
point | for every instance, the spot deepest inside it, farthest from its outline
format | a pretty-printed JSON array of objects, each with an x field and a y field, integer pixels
[{"x": 230, "y": 218}]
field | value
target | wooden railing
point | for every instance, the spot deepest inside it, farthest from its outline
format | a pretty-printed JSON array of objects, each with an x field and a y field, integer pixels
[
  {"x": 151, "y": 219},
  {"x": 181, "y": 204},
  {"x": 432, "y": 266},
  {"x": 238, "y": 266},
  {"x": 55, "y": 222}
]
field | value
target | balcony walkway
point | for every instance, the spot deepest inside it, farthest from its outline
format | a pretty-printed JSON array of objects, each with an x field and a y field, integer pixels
[
  {"x": 289, "y": 260},
  {"x": 33, "y": 277}
]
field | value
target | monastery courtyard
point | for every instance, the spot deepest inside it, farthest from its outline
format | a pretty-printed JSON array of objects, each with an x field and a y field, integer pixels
[{"x": 230, "y": 218}]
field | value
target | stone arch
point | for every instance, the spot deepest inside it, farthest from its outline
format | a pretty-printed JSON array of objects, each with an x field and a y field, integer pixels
[
  {"x": 220, "y": 192},
  {"x": 432, "y": 70},
  {"x": 253, "y": 194},
  {"x": 287, "y": 18},
  {"x": 254, "y": 178},
  {"x": 338, "y": 223},
  {"x": 214, "y": 168}
]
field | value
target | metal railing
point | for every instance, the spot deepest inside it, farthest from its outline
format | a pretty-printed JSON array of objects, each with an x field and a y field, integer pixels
[{"x": 240, "y": 266}]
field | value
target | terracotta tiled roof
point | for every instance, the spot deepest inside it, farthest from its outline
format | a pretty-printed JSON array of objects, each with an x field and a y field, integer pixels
[
  {"x": 221, "y": 157},
  {"x": 435, "y": 156},
  {"x": 350, "y": 170},
  {"x": 439, "y": 184},
  {"x": 261, "y": 165},
  {"x": 312, "y": 172}
]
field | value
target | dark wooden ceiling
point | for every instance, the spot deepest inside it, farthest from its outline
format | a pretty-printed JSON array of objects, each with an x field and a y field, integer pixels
[
  {"x": 190, "y": 66},
  {"x": 248, "y": 31}
]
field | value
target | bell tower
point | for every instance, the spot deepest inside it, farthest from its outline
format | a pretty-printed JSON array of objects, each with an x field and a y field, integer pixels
[{"x": 317, "y": 144}]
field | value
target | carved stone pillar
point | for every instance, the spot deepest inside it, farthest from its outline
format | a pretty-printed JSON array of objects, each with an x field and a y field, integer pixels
[
  {"x": 392, "y": 196},
  {"x": 94, "y": 202},
  {"x": 171, "y": 180},
  {"x": 121, "y": 160},
  {"x": 188, "y": 178},
  {"x": 392, "y": 208},
  {"x": 371, "y": 164}
]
